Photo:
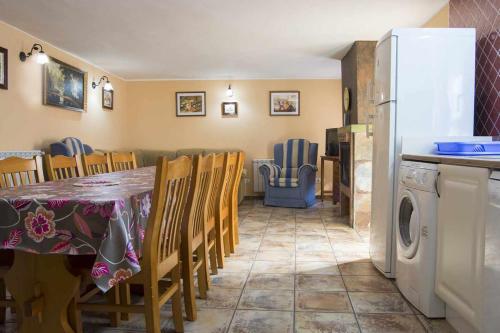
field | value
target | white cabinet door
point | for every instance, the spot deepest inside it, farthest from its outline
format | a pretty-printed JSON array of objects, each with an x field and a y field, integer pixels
[{"x": 460, "y": 238}]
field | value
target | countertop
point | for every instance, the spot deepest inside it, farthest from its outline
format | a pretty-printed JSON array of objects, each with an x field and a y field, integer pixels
[{"x": 490, "y": 162}]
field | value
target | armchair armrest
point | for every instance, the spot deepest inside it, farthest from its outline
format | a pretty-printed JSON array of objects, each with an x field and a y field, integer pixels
[
  {"x": 270, "y": 171},
  {"x": 305, "y": 171}
]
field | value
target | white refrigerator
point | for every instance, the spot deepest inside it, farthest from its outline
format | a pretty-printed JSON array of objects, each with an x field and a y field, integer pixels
[{"x": 424, "y": 87}]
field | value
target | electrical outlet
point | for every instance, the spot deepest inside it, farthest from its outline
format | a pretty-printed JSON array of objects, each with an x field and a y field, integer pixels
[{"x": 318, "y": 180}]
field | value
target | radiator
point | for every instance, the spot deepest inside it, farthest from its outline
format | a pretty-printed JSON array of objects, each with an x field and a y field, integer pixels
[
  {"x": 22, "y": 154},
  {"x": 258, "y": 180}
]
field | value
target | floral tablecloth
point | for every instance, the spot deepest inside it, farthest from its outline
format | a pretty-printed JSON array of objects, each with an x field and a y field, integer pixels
[{"x": 63, "y": 218}]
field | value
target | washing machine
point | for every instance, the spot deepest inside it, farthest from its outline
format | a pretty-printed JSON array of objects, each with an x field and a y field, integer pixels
[{"x": 416, "y": 226}]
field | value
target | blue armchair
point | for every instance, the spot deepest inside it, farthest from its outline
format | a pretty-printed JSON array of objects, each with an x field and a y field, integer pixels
[
  {"x": 290, "y": 181},
  {"x": 70, "y": 147}
]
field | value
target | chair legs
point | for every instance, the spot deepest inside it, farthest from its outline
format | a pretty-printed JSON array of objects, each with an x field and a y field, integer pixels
[
  {"x": 176, "y": 301},
  {"x": 212, "y": 252},
  {"x": 113, "y": 297},
  {"x": 202, "y": 271},
  {"x": 152, "y": 312},
  {"x": 219, "y": 244},
  {"x": 125, "y": 299},
  {"x": 3, "y": 295},
  {"x": 188, "y": 283}
]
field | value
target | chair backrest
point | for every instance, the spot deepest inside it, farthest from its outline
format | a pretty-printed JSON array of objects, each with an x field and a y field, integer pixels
[
  {"x": 123, "y": 161},
  {"x": 95, "y": 164},
  {"x": 228, "y": 178},
  {"x": 15, "y": 171},
  {"x": 292, "y": 154},
  {"x": 63, "y": 167},
  {"x": 237, "y": 178},
  {"x": 169, "y": 199},
  {"x": 216, "y": 187},
  {"x": 195, "y": 213}
]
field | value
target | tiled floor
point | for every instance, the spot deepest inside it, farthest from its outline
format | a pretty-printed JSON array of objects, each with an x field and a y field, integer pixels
[{"x": 295, "y": 270}]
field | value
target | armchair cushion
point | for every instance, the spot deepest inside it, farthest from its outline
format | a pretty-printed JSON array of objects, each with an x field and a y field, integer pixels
[{"x": 69, "y": 147}]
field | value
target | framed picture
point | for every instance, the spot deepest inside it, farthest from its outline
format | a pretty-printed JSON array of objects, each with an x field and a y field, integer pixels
[
  {"x": 107, "y": 99},
  {"x": 4, "y": 68},
  {"x": 64, "y": 86},
  {"x": 230, "y": 109},
  {"x": 284, "y": 103},
  {"x": 189, "y": 104}
]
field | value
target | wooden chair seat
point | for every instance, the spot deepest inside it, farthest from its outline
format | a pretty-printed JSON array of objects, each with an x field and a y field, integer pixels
[
  {"x": 14, "y": 172},
  {"x": 160, "y": 264}
]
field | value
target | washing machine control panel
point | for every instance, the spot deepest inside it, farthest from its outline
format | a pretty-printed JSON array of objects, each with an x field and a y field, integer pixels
[{"x": 422, "y": 179}]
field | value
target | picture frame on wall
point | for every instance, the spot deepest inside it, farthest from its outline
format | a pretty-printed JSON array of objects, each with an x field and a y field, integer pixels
[
  {"x": 64, "y": 86},
  {"x": 107, "y": 99},
  {"x": 230, "y": 109},
  {"x": 284, "y": 103},
  {"x": 4, "y": 68},
  {"x": 190, "y": 104}
]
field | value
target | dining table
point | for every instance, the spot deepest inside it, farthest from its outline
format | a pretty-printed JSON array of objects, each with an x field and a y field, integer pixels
[{"x": 102, "y": 216}]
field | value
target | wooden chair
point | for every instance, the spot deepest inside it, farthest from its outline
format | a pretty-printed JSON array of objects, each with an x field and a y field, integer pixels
[
  {"x": 233, "y": 208},
  {"x": 194, "y": 250},
  {"x": 123, "y": 161},
  {"x": 15, "y": 171},
  {"x": 222, "y": 214},
  {"x": 210, "y": 230},
  {"x": 160, "y": 259},
  {"x": 95, "y": 164},
  {"x": 63, "y": 167}
]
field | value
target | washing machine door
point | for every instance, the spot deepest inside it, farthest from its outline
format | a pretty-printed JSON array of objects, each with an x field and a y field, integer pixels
[{"x": 408, "y": 225}]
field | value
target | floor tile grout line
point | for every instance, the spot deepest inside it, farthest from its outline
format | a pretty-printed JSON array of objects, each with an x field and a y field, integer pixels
[{"x": 343, "y": 281}]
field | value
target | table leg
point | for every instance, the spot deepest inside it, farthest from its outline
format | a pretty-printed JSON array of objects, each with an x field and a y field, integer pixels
[
  {"x": 322, "y": 191},
  {"x": 43, "y": 289}
]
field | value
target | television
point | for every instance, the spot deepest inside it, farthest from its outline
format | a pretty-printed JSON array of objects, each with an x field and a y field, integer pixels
[{"x": 332, "y": 142}]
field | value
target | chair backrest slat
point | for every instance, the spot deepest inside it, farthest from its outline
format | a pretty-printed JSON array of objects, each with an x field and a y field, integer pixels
[
  {"x": 123, "y": 161},
  {"x": 230, "y": 163},
  {"x": 169, "y": 199},
  {"x": 216, "y": 186},
  {"x": 196, "y": 211},
  {"x": 15, "y": 171},
  {"x": 95, "y": 164},
  {"x": 63, "y": 167}
]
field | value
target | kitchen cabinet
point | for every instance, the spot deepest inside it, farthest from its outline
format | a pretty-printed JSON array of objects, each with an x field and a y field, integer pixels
[{"x": 462, "y": 208}]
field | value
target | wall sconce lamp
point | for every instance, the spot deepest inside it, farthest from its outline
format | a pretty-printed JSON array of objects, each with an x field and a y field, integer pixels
[
  {"x": 41, "y": 57},
  {"x": 107, "y": 85},
  {"x": 229, "y": 91}
]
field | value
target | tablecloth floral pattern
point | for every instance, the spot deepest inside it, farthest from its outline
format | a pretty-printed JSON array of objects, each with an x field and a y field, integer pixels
[{"x": 60, "y": 218}]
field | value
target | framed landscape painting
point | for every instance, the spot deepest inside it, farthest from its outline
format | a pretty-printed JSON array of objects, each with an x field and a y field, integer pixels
[
  {"x": 4, "y": 69},
  {"x": 284, "y": 103},
  {"x": 190, "y": 104},
  {"x": 64, "y": 86},
  {"x": 107, "y": 99}
]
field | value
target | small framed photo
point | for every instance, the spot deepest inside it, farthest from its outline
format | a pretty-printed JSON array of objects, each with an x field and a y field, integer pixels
[
  {"x": 230, "y": 109},
  {"x": 4, "y": 68},
  {"x": 107, "y": 99},
  {"x": 189, "y": 104},
  {"x": 284, "y": 103}
]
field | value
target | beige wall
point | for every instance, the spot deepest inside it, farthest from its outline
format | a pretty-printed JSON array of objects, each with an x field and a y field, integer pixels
[
  {"x": 27, "y": 124},
  {"x": 440, "y": 20},
  {"x": 144, "y": 112},
  {"x": 155, "y": 126}
]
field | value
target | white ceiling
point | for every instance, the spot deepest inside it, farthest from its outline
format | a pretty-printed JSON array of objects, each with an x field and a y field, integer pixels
[{"x": 214, "y": 39}]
